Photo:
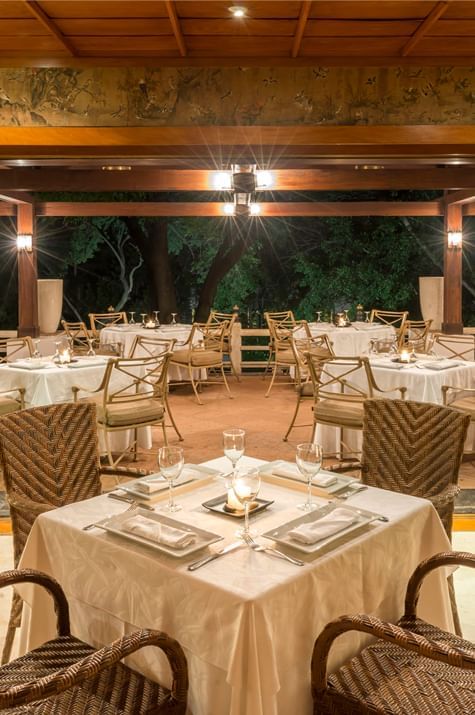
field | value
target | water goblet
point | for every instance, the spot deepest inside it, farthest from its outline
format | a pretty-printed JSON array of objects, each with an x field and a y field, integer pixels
[
  {"x": 36, "y": 352},
  {"x": 156, "y": 314},
  {"x": 143, "y": 316},
  {"x": 309, "y": 461},
  {"x": 345, "y": 315},
  {"x": 367, "y": 312},
  {"x": 233, "y": 445},
  {"x": 246, "y": 487},
  {"x": 173, "y": 318},
  {"x": 56, "y": 351},
  {"x": 171, "y": 461},
  {"x": 91, "y": 352},
  {"x": 132, "y": 319},
  {"x": 319, "y": 316}
]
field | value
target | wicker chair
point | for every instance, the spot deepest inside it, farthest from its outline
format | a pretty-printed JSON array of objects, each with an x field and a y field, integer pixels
[
  {"x": 413, "y": 667},
  {"x": 66, "y": 676},
  {"x": 341, "y": 385},
  {"x": 415, "y": 448},
  {"x": 203, "y": 350},
  {"x": 415, "y": 336},
  {"x": 132, "y": 394},
  {"x": 49, "y": 457},
  {"x": 321, "y": 347},
  {"x": 454, "y": 347},
  {"x": 215, "y": 318}
]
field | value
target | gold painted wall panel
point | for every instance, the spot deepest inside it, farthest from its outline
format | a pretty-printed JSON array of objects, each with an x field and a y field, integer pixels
[{"x": 227, "y": 96}]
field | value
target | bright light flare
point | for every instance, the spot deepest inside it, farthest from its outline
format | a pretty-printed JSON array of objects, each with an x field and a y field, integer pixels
[
  {"x": 228, "y": 209},
  {"x": 24, "y": 242},
  {"x": 264, "y": 179},
  {"x": 454, "y": 239},
  {"x": 254, "y": 209},
  {"x": 221, "y": 181}
]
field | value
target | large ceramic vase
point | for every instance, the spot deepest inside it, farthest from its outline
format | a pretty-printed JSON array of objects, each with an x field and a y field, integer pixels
[
  {"x": 50, "y": 304},
  {"x": 431, "y": 298}
]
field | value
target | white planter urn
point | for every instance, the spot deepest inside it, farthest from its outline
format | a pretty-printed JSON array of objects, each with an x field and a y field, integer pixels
[
  {"x": 50, "y": 304},
  {"x": 431, "y": 299}
]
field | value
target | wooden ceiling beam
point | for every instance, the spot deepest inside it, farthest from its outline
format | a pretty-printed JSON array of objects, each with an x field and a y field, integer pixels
[
  {"x": 301, "y": 24},
  {"x": 149, "y": 209},
  {"x": 156, "y": 180},
  {"x": 460, "y": 197},
  {"x": 46, "y": 21},
  {"x": 436, "y": 12},
  {"x": 17, "y": 197},
  {"x": 175, "y": 23}
]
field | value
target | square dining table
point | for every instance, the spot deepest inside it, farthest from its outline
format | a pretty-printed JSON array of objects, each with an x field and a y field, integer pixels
[{"x": 248, "y": 620}]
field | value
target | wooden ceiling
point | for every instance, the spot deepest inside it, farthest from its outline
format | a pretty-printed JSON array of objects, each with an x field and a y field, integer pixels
[{"x": 126, "y": 32}]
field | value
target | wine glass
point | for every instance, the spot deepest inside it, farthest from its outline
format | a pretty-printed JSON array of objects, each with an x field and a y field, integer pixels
[
  {"x": 309, "y": 461},
  {"x": 345, "y": 314},
  {"x": 367, "y": 312},
  {"x": 132, "y": 319},
  {"x": 173, "y": 318},
  {"x": 57, "y": 345},
  {"x": 91, "y": 352},
  {"x": 143, "y": 316},
  {"x": 36, "y": 352},
  {"x": 170, "y": 461},
  {"x": 233, "y": 445},
  {"x": 71, "y": 346},
  {"x": 319, "y": 316},
  {"x": 246, "y": 487}
]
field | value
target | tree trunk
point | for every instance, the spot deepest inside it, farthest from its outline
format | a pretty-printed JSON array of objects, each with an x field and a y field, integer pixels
[
  {"x": 233, "y": 246},
  {"x": 154, "y": 249}
]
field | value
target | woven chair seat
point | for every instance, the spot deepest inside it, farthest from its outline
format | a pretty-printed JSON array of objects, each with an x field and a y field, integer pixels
[
  {"x": 129, "y": 413},
  {"x": 465, "y": 404},
  {"x": 285, "y": 356},
  {"x": 347, "y": 413},
  {"x": 197, "y": 358},
  {"x": 116, "y": 691},
  {"x": 305, "y": 389},
  {"x": 392, "y": 680},
  {"x": 7, "y": 405}
]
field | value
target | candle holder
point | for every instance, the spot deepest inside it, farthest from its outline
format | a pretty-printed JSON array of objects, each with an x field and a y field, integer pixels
[{"x": 64, "y": 357}]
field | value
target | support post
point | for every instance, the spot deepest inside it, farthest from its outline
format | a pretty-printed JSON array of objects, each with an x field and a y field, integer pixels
[
  {"x": 452, "y": 272},
  {"x": 27, "y": 275}
]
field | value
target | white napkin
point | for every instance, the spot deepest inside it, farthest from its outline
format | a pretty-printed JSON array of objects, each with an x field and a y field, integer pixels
[
  {"x": 332, "y": 523},
  {"x": 157, "y": 532},
  {"x": 28, "y": 364},
  {"x": 291, "y": 471},
  {"x": 390, "y": 365},
  {"x": 155, "y": 483},
  {"x": 440, "y": 364}
]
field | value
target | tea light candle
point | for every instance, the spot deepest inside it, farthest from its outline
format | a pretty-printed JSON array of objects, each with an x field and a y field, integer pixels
[
  {"x": 64, "y": 357},
  {"x": 233, "y": 502},
  {"x": 150, "y": 324},
  {"x": 405, "y": 356}
]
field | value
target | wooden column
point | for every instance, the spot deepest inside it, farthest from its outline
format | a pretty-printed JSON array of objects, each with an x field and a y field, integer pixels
[
  {"x": 27, "y": 275},
  {"x": 452, "y": 273}
]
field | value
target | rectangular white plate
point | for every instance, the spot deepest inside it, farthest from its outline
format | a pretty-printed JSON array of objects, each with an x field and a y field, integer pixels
[
  {"x": 204, "y": 538},
  {"x": 281, "y": 533},
  {"x": 341, "y": 481},
  {"x": 183, "y": 479}
]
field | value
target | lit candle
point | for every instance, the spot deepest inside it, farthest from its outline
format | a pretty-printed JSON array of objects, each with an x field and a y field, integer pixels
[
  {"x": 150, "y": 324},
  {"x": 405, "y": 356},
  {"x": 64, "y": 357},
  {"x": 233, "y": 502}
]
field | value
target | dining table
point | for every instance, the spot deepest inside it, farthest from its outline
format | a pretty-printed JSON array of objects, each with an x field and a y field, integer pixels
[
  {"x": 351, "y": 340},
  {"x": 247, "y": 621}
]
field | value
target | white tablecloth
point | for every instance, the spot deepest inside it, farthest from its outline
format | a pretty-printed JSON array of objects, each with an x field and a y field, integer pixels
[
  {"x": 355, "y": 339},
  {"x": 53, "y": 384},
  {"x": 247, "y": 621}
]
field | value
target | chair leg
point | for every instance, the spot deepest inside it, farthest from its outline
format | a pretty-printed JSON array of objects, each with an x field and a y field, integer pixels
[
  {"x": 274, "y": 373},
  {"x": 233, "y": 369},
  {"x": 14, "y": 622},
  {"x": 136, "y": 443},
  {"x": 269, "y": 360},
  {"x": 292, "y": 422},
  {"x": 193, "y": 384},
  {"x": 167, "y": 408},
  {"x": 226, "y": 382},
  {"x": 453, "y": 603},
  {"x": 164, "y": 430}
]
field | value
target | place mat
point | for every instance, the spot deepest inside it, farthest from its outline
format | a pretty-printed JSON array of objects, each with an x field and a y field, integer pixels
[
  {"x": 342, "y": 481},
  {"x": 190, "y": 473},
  {"x": 217, "y": 505},
  {"x": 390, "y": 365}
]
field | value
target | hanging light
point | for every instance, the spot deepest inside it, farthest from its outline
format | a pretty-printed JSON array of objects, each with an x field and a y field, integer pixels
[
  {"x": 228, "y": 209},
  {"x": 24, "y": 242},
  {"x": 264, "y": 179},
  {"x": 221, "y": 181},
  {"x": 454, "y": 239},
  {"x": 254, "y": 209}
]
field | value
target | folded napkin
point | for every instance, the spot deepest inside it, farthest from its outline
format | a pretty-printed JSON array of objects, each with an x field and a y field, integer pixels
[
  {"x": 440, "y": 364},
  {"x": 158, "y": 533},
  {"x": 390, "y": 365},
  {"x": 156, "y": 483},
  {"x": 291, "y": 471},
  {"x": 332, "y": 523},
  {"x": 28, "y": 364}
]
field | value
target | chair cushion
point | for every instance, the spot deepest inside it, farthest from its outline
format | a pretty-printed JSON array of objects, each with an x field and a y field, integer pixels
[
  {"x": 465, "y": 404},
  {"x": 135, "y": 412},
  {"x": 199, "y": 358},
  {"x": 341, "y": 412},
  {"x": 285, "y": 356},
  {"x": 305, "y": 389},
  {"x": 7, "y": 405}
]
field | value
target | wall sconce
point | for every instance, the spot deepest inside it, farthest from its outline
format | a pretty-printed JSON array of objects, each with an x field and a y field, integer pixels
[
  {"x": 454, "y": 239},
  {"x": 24, "y": 242}
]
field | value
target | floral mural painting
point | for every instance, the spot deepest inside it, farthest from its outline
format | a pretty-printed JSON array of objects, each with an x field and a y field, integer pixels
[{"x": 236, "y": 95}]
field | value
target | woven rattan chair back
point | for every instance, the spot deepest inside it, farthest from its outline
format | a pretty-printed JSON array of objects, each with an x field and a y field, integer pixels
[
  {"x": 414, "y": 448},
  {"x": 78, "y": 335},
  {"x": 415, "y": 336},
  {"x": 144, "y": 346},
  {"x": 454, "y": 347},
  {"x": 13, "y": 348},
  {"x": 104, "y": 320}
]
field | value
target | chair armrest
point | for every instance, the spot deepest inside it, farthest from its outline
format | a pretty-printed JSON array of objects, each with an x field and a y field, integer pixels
[
  {"x": 387, "y": 632},
  {"x": 402, "y": 390},
  {"x": 449, "y": 558},
  {"x": 21, "y": 394},
  {"x": 124, "y": 471},
  {"x": 98, "y": 661},
  {"x": 10, "y": 578},
  {"x": 77, "y": 388},
  {"x": 455, "y": 390}
]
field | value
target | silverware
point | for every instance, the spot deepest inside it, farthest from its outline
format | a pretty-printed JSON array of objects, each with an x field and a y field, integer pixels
[
  {"x": 269, "y": 550},
  {"x": 227, "y": 549},
  {"x": 130, "y": 500},
  {"x": 350, "y": 492}
]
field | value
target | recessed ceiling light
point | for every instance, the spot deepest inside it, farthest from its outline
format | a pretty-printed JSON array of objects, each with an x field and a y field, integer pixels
[
  {"x": 116, "y": 167},
  {"x": 237, "y": 10}
]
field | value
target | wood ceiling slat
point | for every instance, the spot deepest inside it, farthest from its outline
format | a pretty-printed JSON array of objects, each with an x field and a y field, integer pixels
[
  {"x": 113, "y": 26},
  {"x": 360, "y": 28},
  {"x": 96, "y": 8},
  {"x": 14, "y": 10},
  {"x": 117, "y": 46},
  {"x": 263, "y": 9},
  {"x": 228, "y": 46},
  {"x": 460, "y": 10},
  {"x": 24, "y": 28},
  {"x": 453, "y": 28},
  {"x": 355, "y": 46},
  {"x": 399, "y": 9},
  {"x": 455, "y": 46},
  {"x": 247, "y": 28},
  {"x": 41, "y": 44}
]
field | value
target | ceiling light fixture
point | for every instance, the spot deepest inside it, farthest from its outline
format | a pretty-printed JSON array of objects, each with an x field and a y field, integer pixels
[
  {"x": 237, "y": 10},
  {"x": 454, "y": 239},
  {"x": 116, "y": 167},
  {"x": 24, "y": 242}
]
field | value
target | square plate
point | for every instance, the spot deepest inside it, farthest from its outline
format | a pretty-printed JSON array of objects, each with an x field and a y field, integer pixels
[
  {"x": 281, "y": 533},
  {"x": 342, "y": 482},
  {"x": 201, "y": 472},
  {"x": 203, "y": 538},
  {"x": 217, "y": 505}
]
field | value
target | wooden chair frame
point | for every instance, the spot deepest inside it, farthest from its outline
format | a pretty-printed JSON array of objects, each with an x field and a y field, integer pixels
[
  {"x": 281, "y": 331},
  {"x": 104, "y": 320},
  {"x": 283, "y": 315},
  {"x": 459, "y": 347},
  {"x": 9, "y": 347},
  {"x": 394, "y": 318},
  {"x": 415, "y": 334},
  {"x": 79, "y": 336},
  {"x": 215, "y": 318}
]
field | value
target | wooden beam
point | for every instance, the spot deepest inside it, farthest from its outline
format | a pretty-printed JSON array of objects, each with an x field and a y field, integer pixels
[
  {"x": 195, "y": 208},
  {"x": 17, "y": 197},
  {"x": 452, "y": 273},
  {"x": 47, "y": 22},
  {"x": 436, "y": 12},
  {"x": 460, "y": 197},
  {"x": 175, "y": 23},
  {"x": 7, "y": 209},
  {"x": 27, "y": 275},
  {"x": 299, "y": 33}
]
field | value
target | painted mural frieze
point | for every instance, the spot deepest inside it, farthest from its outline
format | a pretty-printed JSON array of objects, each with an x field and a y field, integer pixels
[{"x": 236, "y": 96}]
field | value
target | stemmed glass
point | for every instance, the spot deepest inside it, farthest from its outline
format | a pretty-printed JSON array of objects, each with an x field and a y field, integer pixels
[
  {"x": 367, "y": 316},
  {"x": 246, "y": 488},
  {"x": 171, "y": 461},
  {"x": 309, "y": 461},
  {"x": 173, "y": 318},
  {"x": 233, "y": 445},
  {"x": 36, "y": 352},
  {"x": 345, "y": 313},
  {"x": 319, "y": 316},
  {"x": 157, "y": 322},
  {"x": 143, "y": 316},
  {"x": 91, "y": 352},
  {"x": 132, "y": 319}
]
